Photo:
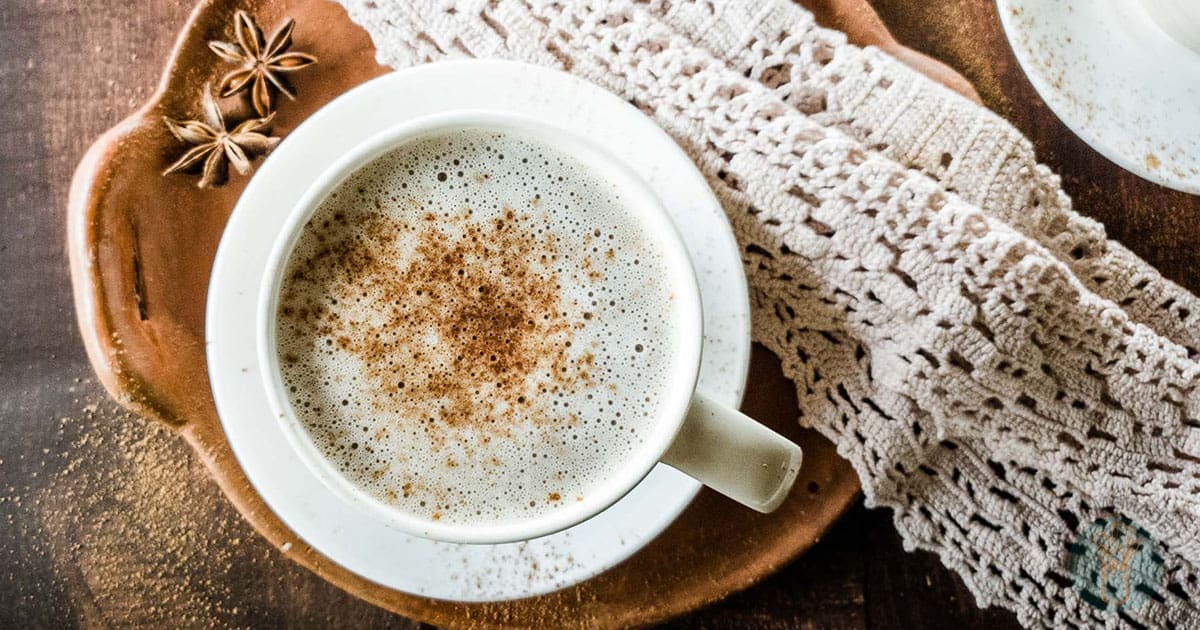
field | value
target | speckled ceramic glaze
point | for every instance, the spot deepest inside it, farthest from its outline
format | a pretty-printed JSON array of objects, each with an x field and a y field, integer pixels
[
  {"x": 344, "y": 532},
  {"x": 1116, "y": 79}
]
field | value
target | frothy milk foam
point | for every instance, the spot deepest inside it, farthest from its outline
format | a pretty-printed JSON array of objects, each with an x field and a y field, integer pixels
[{"x": 475, "y": 329}]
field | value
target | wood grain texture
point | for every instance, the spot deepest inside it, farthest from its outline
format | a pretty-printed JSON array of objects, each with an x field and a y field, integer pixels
[{"x": 71, "y": 69}]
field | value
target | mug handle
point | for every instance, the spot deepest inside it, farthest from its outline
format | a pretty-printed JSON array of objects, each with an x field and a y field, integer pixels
[{"x": 735, "y": 455}]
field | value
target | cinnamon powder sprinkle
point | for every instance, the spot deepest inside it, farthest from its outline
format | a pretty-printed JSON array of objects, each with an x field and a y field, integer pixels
[{"x": 495, "y": 313}]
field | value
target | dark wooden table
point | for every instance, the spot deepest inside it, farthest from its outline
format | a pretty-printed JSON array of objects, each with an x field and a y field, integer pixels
[{"x": 108, "y": 521}]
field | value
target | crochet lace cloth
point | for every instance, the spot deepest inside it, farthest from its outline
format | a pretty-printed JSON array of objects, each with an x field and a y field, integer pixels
[{"x": 1000, "y": 374}]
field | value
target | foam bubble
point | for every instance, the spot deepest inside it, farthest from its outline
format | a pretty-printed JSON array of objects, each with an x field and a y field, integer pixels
[{"x": 473, "y": 328}]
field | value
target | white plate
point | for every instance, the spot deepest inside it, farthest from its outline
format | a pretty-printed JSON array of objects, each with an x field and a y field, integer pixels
[
  {"x": 1116, "y": 79},
  {"x": 340, "y": 530}
]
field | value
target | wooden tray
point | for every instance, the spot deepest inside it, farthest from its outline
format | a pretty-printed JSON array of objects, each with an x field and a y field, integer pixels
[{"x": 141, "y": 247}]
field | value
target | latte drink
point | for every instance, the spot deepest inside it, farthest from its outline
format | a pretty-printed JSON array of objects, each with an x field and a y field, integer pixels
[{"x": 474, "y": 328}]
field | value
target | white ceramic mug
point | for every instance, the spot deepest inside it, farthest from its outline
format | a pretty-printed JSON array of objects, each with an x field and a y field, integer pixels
[
  {"x": 1178, "y": 18},
  {"x": 720, "y": 447}
]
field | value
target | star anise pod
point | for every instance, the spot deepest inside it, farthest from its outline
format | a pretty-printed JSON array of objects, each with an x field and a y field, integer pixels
[
  {"x": 216, "y": 146},
  {"x": 262, "y": 63}
]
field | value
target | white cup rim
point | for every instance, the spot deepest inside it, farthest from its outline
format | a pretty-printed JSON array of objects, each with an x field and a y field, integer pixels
[{"x": 652, "y": 215}]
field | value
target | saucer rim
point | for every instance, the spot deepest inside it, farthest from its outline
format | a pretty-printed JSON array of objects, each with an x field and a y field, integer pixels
[{"x": 1059, "y": 101}]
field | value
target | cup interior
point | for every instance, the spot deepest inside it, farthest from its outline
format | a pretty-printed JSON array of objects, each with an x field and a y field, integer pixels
[
  {"x": 1180, "y": 19},
  {"x": 636, "y": 197}
]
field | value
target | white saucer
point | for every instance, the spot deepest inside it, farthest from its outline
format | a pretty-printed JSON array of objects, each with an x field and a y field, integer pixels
[
  {"x": 338, "y": 529},
  {"x": 1116, "y": 79}
]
